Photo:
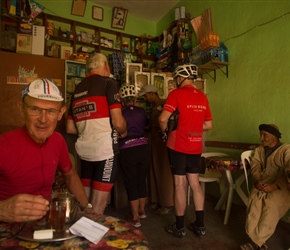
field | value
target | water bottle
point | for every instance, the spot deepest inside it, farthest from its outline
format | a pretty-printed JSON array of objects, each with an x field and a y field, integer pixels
[{"x": 224, "y": 57}]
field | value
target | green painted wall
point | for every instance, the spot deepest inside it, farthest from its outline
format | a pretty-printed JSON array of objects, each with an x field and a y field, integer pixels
[
  {"x": 257, "y": 90},
  {"x": 134, "y": 25}
]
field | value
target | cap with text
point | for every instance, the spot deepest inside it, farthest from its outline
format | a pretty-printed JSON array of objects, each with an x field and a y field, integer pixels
[
  {"x": 44, "y": 89},
  {"x": 147, "y": 89}
]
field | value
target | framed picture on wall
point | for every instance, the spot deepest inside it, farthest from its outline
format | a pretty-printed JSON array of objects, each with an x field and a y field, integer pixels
[
  {"x": 78, "y": 7},
  {"x": 97, "y": 13},
  {"x": 119, "y": 17}
]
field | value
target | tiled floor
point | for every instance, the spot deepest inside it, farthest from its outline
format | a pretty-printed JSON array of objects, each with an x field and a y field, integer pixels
[{"x": 219, "y": 236}]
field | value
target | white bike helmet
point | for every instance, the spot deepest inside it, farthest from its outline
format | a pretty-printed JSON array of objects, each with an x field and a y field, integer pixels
[
  {"x": 127, "y": 91},
  {"x": 186, "y": 71}
]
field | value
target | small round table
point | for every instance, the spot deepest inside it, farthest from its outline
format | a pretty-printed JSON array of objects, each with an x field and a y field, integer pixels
[{"x": 121, "y": 235}]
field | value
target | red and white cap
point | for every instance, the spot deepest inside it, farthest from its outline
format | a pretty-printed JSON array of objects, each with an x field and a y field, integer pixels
[{"x": 44, "y": 89}]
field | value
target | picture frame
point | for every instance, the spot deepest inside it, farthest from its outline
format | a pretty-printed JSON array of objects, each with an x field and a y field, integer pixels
[
  {"x": 130, "y": 69},
  {"x": 24, "y": 43},
  {"x": 65, "y": 52},
  {"x": 78, "y": 7},
  {"x": 97, "y": 13},
  {"x": 141, "y": 79},
  {"x": 119, "y": 17},
  {"x": 200, "y": 84},
  {"x": 159, "y": 81},
  {"x": 170, "y": 85}
]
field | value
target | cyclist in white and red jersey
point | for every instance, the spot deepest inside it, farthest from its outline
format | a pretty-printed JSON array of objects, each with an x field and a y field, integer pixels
[{"x": 95, "y": 115}]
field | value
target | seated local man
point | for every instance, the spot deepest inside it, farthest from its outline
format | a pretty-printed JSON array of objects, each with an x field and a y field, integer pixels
[
  {"x": 269, "y": 198},
  {"x": 30, "y": 155}
]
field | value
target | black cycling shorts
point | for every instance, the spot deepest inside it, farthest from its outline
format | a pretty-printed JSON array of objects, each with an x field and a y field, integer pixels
[
  {"x": 101, "y": 171},
  {"x": 182, "y": 163}
]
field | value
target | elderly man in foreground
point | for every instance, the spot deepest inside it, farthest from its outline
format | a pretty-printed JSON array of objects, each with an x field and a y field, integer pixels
[
  {"x": 30, "y": 155},
  {"x": 269, "y": 199}
]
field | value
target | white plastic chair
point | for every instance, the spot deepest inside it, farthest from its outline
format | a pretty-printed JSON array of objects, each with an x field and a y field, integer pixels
[
  {"x": 236, "y": 185},
  {"x": 208, "y": 176},
  {"x": 246, "y": 156}
]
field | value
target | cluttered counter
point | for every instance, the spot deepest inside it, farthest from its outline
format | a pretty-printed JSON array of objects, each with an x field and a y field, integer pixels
[{"x": 120, "y": 235}]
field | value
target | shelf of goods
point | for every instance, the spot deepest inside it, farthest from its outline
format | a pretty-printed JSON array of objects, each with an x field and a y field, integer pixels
[
  {"x": 62, "y": 33},
  {"x": 84, "y": 38}
]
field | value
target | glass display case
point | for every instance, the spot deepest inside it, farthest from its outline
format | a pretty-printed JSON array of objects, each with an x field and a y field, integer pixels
[
  {"x": 159, "y": 81},
  {"x": 74, "y": 73},
  {"x": 141, "y": 79}
]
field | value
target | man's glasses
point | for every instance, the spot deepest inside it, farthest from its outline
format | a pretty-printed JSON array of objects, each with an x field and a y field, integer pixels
[{"x": 36, "y": 111}]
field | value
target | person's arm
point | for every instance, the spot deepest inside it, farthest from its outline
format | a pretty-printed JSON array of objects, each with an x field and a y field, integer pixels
[
  {"x": 71, "y": 127},
  {"x": 256, "y": 165},
  {"x": 163, "y": 119},
  {"x": 75, "y": 186},
  {"x": 257, "y": 162},
  {"x": 119, "y": 121},
  {"x": 207, "y": 125},
  {"x": 23, "y": 207},
  {"x": 280, "y": 182}
]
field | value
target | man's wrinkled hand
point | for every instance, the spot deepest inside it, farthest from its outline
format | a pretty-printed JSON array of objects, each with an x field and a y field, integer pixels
[
  {"x": 259, "y": 185},
  {"x": 265, "y": 187},
  {"x": 23, "y": 207}
]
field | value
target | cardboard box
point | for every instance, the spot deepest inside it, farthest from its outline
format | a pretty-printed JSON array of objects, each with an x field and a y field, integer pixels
[
  {"x": 25, "y": 25},
  {"x": 24, "y": 43}
]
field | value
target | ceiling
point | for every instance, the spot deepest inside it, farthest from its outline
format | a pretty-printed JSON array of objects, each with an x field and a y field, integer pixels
[{"x": 151, "y": 10}]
